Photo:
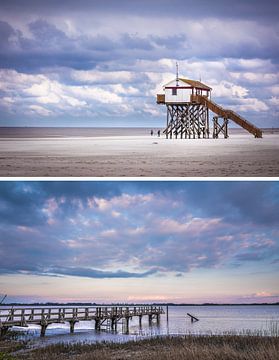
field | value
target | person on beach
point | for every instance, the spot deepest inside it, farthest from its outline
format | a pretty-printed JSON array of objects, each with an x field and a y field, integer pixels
[
  {"x": 151, "y": 132},
  {"x": 159, "y": 133}
]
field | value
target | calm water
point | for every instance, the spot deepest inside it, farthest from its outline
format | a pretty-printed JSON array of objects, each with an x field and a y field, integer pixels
[
  {"x": 53, "y": 132},
  {"x": 213, "y": 320}
]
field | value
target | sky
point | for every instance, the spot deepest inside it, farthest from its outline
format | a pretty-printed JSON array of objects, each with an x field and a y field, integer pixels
[
  {"x": 140, "y": 241},
  {"x": 101, "y": 63}
]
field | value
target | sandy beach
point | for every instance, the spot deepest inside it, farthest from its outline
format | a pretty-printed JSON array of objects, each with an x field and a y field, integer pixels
[{"x": 240, "y": 155}]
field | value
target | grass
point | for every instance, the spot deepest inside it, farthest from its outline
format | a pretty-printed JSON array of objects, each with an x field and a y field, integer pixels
[{"x": 223, "y": 347}]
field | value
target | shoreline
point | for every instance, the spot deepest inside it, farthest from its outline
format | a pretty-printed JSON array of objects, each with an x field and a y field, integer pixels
[
  {"x": 92, "y": 132},
  {"x": 140, "y": 156}
]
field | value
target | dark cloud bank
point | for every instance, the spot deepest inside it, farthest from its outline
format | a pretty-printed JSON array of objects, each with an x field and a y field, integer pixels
[{"x": 45, "y": 225}]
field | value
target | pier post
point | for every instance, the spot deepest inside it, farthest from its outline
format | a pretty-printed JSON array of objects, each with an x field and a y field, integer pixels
[
  {"x": 97, "y": 324},
  {"x": 43, "y": 329},
  {"x": 167, "y": 311},
  {"x": 140, "y": 321},
  {"x": 150, "y": 319},
  {"x": 3, "y": 330},
  {"x": 72, "y": 325},
  {"x": 127, "y": 325}
]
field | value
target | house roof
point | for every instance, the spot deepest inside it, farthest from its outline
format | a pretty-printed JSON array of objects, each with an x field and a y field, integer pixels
[{"x": 194, "y": 84}]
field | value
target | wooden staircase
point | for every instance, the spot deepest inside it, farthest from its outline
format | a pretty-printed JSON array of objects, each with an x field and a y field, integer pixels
[{"x": 229, "y": 114}]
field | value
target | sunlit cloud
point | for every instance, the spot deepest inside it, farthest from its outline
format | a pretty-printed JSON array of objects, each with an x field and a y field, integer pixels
[{"x": 112, "y": 228}]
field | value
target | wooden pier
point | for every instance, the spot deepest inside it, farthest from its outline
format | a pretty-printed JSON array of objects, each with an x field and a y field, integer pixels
[{"x": 108, "y": 317}]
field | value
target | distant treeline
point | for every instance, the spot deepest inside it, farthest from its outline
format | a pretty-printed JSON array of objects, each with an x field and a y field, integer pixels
[{"x": 124, "y": 304}]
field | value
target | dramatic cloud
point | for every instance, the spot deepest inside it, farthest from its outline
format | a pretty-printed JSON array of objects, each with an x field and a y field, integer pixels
[
  {"x": 88, "y": 63},
  {"x": 123, "y": 230}
]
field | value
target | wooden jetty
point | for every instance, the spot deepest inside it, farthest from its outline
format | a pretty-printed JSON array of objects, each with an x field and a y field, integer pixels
[
  {"x": 188, "y": 103},
  {"x": 107, "y": 317}
]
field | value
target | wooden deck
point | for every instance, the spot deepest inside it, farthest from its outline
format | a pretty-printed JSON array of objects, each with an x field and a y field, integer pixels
[
  {"x": 160, "y": 99},
  {"x": 108, "y": 316}
]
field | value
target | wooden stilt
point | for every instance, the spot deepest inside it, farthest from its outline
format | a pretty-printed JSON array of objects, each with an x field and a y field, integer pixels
[
  {"x": 72, "y": 326},
  {"x": 127, "y": 324},
  {"x": 97, "y": 324},
  {"x": 43, "y": 330},
  {"x": 3, "y": 330},
  {"x": 140, "y": 321},
  {"x": 220, "y": 128},
  {"x": 188, "y": 120}
]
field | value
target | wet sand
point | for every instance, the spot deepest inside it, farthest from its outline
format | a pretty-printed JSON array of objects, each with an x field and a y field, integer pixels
[{"x": 135, "y": 156}]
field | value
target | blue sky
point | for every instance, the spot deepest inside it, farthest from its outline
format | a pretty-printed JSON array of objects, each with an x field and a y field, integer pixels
[
  {"x": 96, "y": 63},
  {"x": 139, "y": 241}
]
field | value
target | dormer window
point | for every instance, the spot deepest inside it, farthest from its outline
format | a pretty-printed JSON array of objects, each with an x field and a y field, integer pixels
[{"x": 174, "y": 92}]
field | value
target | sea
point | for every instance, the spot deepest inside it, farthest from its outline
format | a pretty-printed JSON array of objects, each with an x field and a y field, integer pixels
[
  {"x": 261, "y": 320},
  {"x": 63, "y": 132}
]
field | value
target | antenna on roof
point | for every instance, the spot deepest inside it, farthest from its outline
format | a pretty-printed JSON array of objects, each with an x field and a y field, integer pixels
[
  {"x": 177, "y": 80},
  {"x": 200, "y": 77}
]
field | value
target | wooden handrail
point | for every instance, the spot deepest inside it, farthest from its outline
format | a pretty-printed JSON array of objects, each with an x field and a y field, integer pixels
[{"x": 229, "y": 114}]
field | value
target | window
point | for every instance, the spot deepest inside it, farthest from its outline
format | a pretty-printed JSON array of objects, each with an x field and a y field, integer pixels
[{"x": 174, "y": 92}]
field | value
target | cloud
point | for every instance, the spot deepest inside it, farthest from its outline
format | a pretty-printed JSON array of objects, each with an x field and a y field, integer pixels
[
  {"x": 179, "y": 8},
  {"x": 98, "y": 274},
  {"x": 124, "y": 229},
  {"x": 85, "y": 65}
]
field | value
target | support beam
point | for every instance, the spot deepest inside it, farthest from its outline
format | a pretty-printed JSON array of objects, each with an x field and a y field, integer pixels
[
  {"x": 187, "y": 120},
  {"x": 220, "y": 127}
]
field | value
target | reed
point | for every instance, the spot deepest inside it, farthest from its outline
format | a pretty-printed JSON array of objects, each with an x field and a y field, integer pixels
[{"x": 224, "y": 347}]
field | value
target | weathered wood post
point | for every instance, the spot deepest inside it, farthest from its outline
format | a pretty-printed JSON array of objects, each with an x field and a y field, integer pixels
[
  {"x": 126, "y": 325},
  {"x": 43, "y": 329},
  {"x": 97, "y": 324},
  {"x": 72, "y": 326},
  {"x": 43, "y": 323},
  {"x": 140, "y": 321},
  {"x": 167, "y": 311},
  {"x": 97, "y": 320},
  {"x": 158, "y": 316},
  {"x": 193, "y": 318},
  {"x": 3, "y": 330}
]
